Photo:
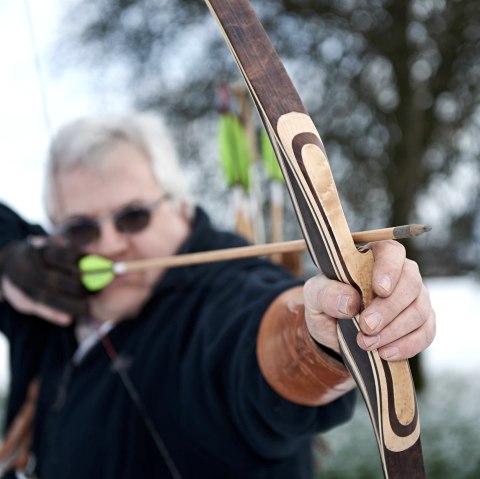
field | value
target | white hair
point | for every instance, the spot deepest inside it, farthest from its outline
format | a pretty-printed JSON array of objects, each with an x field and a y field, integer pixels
[{"x": 84, "y": 141}]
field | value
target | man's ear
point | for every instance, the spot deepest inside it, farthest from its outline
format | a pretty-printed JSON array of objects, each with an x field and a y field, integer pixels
[{"x": 186, "y": 212}]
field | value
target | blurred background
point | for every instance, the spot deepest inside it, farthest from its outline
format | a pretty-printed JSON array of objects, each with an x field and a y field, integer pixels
[{"x": 394, "y": 90}]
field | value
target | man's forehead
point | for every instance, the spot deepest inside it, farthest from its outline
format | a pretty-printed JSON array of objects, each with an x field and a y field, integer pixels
[{"x": 123, "y": 178}]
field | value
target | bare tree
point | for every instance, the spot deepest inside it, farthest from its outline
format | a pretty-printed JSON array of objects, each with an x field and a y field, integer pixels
[{"x": 393, "y": 88}]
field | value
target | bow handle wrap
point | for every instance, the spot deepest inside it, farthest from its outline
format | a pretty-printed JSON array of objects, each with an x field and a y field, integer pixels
[{"x": 386, "y": 387}]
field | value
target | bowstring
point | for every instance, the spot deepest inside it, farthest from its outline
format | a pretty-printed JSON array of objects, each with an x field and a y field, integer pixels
[{"x": 38, "y": 68}]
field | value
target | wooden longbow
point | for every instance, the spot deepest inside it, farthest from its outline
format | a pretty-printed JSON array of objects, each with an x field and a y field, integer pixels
[{"x": 387, "y": 387}]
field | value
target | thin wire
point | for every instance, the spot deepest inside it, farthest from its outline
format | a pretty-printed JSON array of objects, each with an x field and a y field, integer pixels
[{"x": 38, "y": 68}]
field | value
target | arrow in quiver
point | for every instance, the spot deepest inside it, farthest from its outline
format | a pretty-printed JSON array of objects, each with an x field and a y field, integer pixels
[
  {"x": 236, "y": 160},
  {"x": 291, "y": 260}
]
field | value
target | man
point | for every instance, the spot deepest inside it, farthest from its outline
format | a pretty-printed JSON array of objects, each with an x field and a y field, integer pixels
[{"x": 164, "y": 373}]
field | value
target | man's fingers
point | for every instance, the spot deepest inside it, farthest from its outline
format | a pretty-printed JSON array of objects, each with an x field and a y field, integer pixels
[
  {"x": 325, "y": 302},
  {"x": 384, "y": 310},
  {"x": 399, "y": 322},
  {"x": 409, "y": 333},
  {"x": 332, "y": 298},
  {"x": 389, "y": 259},
  {"x": 74, "y": 305},
  {"x": 46, "y": 273},
  {"x": 22, "y": 303},
  {"x": 411, "y": 344},
  {"x": 64, "y": 259},
  {"x": 52, "y": 315}
]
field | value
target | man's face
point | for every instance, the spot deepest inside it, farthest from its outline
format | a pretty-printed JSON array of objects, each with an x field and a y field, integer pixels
[{"x": 125, "y": 178}]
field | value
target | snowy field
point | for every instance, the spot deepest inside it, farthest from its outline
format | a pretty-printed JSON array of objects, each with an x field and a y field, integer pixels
[
  {"x": 455, "y": 349},
  {"x": 457, "y": 305}
]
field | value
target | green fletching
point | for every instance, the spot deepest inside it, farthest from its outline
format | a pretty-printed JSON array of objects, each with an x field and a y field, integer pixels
[
  {"x": 270, "y": 161},
  {"x": 96, "y": 272},
  {"x": 93, "y": 263},
  {"x": 234, "y": 151},
  {"x": 97, "y": 281}
]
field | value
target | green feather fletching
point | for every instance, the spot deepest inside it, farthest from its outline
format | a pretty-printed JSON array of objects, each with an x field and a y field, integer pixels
[
  {"x": 234, "y": 151},
  {"x": 270, "y": 161}
]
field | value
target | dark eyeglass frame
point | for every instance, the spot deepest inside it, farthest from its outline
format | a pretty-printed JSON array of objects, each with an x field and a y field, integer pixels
[{"x": 133, "y": 218}]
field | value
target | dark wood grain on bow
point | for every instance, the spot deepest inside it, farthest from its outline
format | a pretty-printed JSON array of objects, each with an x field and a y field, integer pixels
[{"x": 387, "y": 387}]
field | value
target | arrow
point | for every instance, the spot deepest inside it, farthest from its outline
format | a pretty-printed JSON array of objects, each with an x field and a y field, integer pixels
[{"x": 98, "y": 271}]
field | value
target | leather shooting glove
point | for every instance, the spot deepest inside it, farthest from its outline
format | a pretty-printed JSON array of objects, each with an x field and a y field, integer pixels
[{"x": 46, "y": 273}]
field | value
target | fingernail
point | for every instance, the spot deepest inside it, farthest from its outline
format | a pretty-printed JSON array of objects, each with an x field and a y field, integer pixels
[
  {"x": 370, "y": 341},
  {"x": 343, "y": 304},
  {"x": 390, "y": 353},
  {"x": 385, "y": 283},
  {"x": 373, "y": 320}
]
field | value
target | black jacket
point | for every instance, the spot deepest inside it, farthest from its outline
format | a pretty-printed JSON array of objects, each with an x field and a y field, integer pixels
[{"x": 190, "y": 355}]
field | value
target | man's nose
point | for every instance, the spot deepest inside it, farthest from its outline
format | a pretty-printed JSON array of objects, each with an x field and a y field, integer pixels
[{"x": 111, "y": 242}]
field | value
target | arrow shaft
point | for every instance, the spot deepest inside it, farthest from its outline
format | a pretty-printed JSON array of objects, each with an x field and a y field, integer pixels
[{"x": 396, "y": 233}]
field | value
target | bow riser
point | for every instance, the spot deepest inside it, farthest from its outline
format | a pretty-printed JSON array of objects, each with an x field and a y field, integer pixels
[{"x": 386, "y": 387}]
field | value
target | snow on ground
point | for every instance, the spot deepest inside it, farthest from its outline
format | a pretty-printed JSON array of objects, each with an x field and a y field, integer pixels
[
  {"x": 3, "y": 364},
  {"x": 457, "y": 305}
]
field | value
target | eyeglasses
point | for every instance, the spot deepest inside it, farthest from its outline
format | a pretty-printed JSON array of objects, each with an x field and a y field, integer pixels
[{"x": 81, "y": 231}]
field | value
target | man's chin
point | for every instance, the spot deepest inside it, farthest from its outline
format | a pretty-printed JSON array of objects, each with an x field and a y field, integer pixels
[
  {"x": 121, "y": 299},
  {"x": 116, "y": 304}
]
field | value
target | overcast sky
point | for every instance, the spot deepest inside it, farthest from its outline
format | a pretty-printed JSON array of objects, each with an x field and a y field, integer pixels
[{"x": 23, "y": 133}]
